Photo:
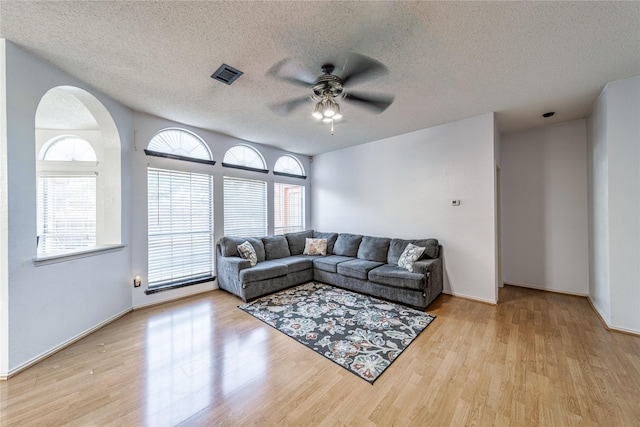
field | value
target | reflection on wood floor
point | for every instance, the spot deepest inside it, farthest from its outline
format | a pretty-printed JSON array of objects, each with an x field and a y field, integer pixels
[{"x": 536, "y": 358}]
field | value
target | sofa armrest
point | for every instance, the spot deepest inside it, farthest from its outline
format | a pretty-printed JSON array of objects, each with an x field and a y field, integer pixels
[
  {"x": 432, "y": 269},
  {"x": 228, "y": 269}
]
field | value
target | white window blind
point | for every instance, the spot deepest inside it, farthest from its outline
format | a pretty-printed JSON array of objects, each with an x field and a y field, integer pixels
[
  {"x": 245, "y": 207},
  {"x": 66, "y": 213},
  {"x": 288, "y": 208},
  {"x": 180, "y": 227}
]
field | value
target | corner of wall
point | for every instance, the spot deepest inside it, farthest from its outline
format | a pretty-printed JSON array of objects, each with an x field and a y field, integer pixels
[{"x": 4, "y": 221}]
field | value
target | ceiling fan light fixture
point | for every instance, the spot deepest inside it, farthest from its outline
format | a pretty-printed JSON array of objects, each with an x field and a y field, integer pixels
[
  {"x": 329, "y": 108},
  {"x": 317, "y": 112},
  {"x": 338, "y": 114}
]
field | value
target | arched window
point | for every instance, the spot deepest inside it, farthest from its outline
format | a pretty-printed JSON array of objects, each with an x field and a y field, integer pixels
[
  {"x": 66, "y": 195},
  {"x": 68, "y": 148},
  {"x": 179, "y": 144},
  {"x": 180, "y": 212},
  {"x": 244, "y": 157},
  {"x": 288, "y": 166}
]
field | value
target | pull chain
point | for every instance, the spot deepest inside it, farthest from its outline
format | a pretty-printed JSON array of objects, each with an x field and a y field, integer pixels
[{"x": 331, "y": 126}]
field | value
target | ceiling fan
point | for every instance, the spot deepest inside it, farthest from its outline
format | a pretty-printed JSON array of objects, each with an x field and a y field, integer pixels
[{"x": 328, "y": 88}]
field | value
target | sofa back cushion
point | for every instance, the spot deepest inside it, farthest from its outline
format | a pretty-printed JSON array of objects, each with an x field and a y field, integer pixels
[
  {"x": 276, "y": 247},
  {"x": 257, "y": 244},
  {"x": 347, "y": 244},
  {"x": 432, "y": 245},
  {"x": 374, "y": 248},
  {"x": 331, "y": 240},
  {"x": 297, "y": 241},
  {"x": 229, "y": 246},
  {"x": 397, "y": 246}
]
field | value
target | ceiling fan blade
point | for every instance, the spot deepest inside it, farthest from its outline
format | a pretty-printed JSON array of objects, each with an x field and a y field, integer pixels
[
  {"x": 290, "y": 72},
  {"x": 287, "y": 107},
  {"x": 376, "y": 103},
  {"x": 360, "y": 68}
]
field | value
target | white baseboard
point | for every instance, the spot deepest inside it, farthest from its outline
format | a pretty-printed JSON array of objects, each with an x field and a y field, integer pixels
[
  {"x": 67, "y": 343},
  {"x": 542, "y": 288},
  {"x": 607, "y": 325},
  {"x": 464, "y": 296}
]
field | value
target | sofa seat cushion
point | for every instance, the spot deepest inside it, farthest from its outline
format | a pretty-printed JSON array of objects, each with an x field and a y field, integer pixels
[
  {"x": 297, "y": 263},
  {"x": 392, "y": 275},
  {"x": 330, "y": 263},
  {"x": 262, "y": 271},
  {"x": 358, "y": 268}
]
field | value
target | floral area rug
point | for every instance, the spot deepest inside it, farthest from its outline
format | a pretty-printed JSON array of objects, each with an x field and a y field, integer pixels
[{"x": 360, "y": 333}]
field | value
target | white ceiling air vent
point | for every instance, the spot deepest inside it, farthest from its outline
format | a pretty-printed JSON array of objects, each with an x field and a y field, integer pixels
[{"x": 226, "y": 74}]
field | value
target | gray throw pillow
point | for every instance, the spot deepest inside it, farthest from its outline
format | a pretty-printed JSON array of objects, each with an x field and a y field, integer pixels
[
  {"x": 276, "y": 247},
  {"x": 347, "y": 244}
]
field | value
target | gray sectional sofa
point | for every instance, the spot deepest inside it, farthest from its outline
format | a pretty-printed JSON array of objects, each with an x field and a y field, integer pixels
[{"x": 363, "y": 264}]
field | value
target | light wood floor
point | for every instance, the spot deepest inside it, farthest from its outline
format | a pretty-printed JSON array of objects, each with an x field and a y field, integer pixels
[{"x": 536, "y": 358}]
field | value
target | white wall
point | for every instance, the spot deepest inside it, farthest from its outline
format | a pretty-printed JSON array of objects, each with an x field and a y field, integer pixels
[
  {"x": 403, "y": 186},
  {"x": 4, "y": 221},
  {"x": 623, "y": 113},
  {"x": 614, "y": 145},
  {"x": 598, "y": 176},
  {"x": 544, "y": 208},
  {"x": 146, "y": 127},
  {"x": 52, "y": 304}
]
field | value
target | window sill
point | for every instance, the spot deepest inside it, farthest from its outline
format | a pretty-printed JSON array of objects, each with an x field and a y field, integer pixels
[
  {"x": 168, "y": 287},
  {"x": 68, "y": 256}
]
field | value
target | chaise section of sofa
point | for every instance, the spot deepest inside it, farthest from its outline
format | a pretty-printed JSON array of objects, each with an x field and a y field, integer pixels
[{"x": 365, "y": 264}]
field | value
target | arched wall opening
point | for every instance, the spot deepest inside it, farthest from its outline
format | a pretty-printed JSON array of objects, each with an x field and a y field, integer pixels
[{"x": 68, "y": 110}]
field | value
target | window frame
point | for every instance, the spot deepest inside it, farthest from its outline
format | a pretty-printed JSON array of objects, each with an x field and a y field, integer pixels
[
  {"x": 288, "y": 174},
  {"x": 258, "y": 154},
  {"x": 195, "y": 279},
  {"x": 301, "y": 208},
  {"x": 178, "y": 164},
  {"x": 48, "y": 168},
  {"x": 263, "y": 208}
]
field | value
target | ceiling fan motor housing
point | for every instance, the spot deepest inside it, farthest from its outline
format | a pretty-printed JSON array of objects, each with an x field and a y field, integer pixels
[{"x": 327, "y": 85}]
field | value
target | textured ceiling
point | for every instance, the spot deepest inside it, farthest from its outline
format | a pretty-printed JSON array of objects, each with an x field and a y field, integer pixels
[
  {"x": 446, "y": 60},
  {"x": 59, "y": 109}
]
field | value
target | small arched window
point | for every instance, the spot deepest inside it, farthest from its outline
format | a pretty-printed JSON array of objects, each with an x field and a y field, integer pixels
[
  {"x": 288, "y": 166},
  {"x": 66, "y": 209},
  {"x": 244, "y": 157},
  {"x": 68, "y": 149},
  {"x": 179, "y": 144}
]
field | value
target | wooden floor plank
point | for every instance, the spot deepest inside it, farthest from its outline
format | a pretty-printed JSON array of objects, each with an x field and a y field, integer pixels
[{"x": 536, "y": 358}]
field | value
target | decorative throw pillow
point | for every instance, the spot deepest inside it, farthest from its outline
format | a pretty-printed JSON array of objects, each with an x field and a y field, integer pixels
[
  {"x": 409, "y": 256},
  {"x": 246, "y": 251},
  {"x": 315, "y": 247}
]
